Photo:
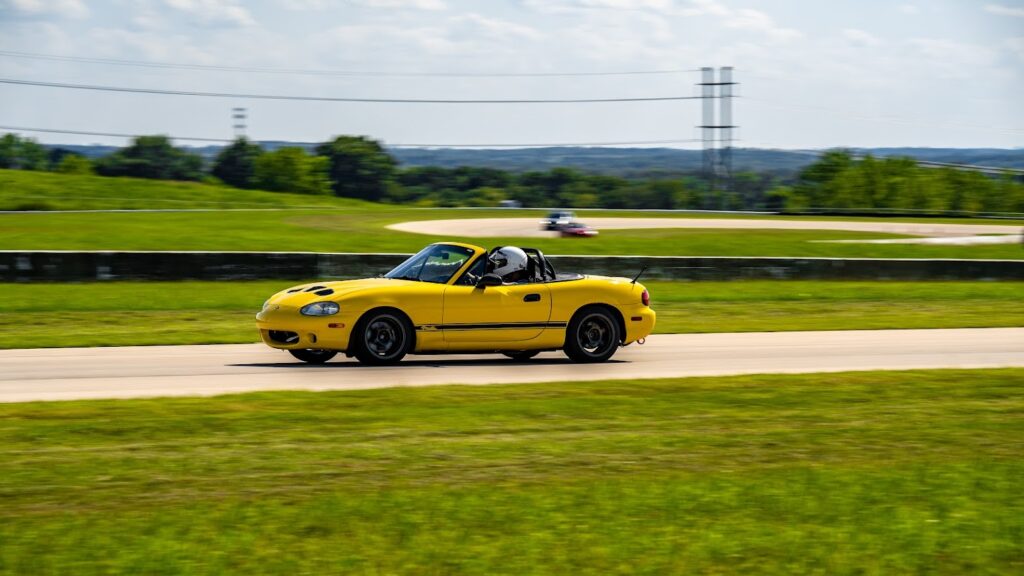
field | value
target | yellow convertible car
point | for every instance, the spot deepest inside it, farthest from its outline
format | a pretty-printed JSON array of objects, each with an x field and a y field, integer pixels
[{"x": 453, "y": 298}]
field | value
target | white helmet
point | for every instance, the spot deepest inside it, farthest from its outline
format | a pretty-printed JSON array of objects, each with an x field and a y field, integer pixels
[{"x": 507, "y": 260}]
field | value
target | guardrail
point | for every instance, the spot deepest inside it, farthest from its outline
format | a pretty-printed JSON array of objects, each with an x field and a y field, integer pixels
[{"x": 71, "y": 266}]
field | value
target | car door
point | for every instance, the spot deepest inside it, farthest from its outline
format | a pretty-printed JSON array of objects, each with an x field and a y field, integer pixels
[{"x": 495, "y": 314}]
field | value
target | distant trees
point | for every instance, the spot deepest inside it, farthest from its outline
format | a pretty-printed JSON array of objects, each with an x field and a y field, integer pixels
[
  {"x": 559, "y": 187},
  {"x": 22, "y": 153},
  {"x": 236, "y": 164},
  {"x": 358, "y": 166},
  {"x": 152, "y": 157},
  {"x": 290, "y": 169},
  {"x": 74, "y": 164},
  {"x": 841, "y": 183}
]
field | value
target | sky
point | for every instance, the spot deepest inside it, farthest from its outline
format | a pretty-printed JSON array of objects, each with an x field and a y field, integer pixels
[{"x": 864, "y": 73}]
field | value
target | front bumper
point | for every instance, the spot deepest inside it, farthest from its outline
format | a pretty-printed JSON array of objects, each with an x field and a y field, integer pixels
[{"x": 284, "y": 328}]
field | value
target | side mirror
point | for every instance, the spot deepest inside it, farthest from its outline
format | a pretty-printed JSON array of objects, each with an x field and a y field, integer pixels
[{"x": 488, "y": 280}]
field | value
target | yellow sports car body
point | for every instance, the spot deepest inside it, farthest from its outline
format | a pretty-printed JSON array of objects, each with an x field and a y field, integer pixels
[{"x": 444, "y": 300}]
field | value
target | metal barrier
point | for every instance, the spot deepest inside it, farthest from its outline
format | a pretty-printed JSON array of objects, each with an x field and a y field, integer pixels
[{"x": 70, "y": 266}]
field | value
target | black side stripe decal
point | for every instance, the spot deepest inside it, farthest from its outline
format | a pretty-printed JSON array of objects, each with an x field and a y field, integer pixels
[{"x": 493, "y": 326}]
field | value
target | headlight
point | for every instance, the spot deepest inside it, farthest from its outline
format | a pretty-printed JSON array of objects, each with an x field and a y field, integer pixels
[
  {"x": 320, "y": 309},
  {"x": 265, "y": 304}
]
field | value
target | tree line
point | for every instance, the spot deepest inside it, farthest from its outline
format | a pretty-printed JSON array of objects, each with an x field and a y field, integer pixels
[{"x": 359, "y": 167}]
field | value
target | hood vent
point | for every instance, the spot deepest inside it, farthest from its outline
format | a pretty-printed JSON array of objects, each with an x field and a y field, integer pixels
[
  {"x": 294, "y": 290},
  {"x": 314, "y": 288},
  {"x": 324, "y": 292}
]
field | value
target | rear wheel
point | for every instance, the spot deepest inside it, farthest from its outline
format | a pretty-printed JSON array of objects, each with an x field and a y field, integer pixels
[
  {"x": 522, "y": 355},
  {"x": 382, "y": 338},
  {"x": 312, "y": 356},
  {"x": 592, "y": 336}
]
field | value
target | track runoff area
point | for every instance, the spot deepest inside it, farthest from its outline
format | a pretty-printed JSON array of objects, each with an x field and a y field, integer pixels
[
  {"x": 153, "y": 371},
  {"x": 204, "y": 370}
]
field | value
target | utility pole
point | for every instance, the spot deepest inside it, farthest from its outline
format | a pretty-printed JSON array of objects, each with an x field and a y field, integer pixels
[
  {"x": 707, "y": 131},
  {"x": 717, "y": 160},
  {"x": 238, "y": 117},
  {"x": 725, "y": 124}
]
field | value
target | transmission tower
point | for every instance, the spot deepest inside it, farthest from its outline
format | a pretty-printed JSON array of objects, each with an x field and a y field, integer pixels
[
  {"x": 717, "y": 136},
  {"x": 238, "y": 118}
]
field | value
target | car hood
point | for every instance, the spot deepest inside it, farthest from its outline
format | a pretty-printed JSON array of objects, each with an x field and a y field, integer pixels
[{"x": 304, "y": 294}]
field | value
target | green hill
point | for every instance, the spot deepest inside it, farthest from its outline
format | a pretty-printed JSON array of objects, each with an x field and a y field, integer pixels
[{"x": 27, "y": 190}]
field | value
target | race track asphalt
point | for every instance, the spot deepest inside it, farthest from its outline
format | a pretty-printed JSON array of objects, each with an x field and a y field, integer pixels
[
  {"x": 530, "y": 228},
  {"x": 149, "y": 371}
]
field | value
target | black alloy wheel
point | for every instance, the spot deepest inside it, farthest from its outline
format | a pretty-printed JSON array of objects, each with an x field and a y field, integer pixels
[
  {"x": 312, "y": 355},
  {"x": 592, "y": 336},
  {"x": 382, "y": 338}
]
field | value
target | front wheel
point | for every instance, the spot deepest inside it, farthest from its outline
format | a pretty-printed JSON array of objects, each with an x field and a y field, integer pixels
[
  {"x": 312, "y": 356},
  {"x": 592, "y": 336},
  {"x": 382, "y": 338}
]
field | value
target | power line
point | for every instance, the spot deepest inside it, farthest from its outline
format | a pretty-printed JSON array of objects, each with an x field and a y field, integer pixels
[
  {"x": 339, "y": 99},
  {"x": 546, "y": 145},
  {"x": 110, "y": 134},
  {"x": 815, "y": 153},
  {"x": 922, "y": 163},
  {"x": 886, "y": 119},
  {"x": 486, "y": 145},
  {"x": 313, "y": 72}
]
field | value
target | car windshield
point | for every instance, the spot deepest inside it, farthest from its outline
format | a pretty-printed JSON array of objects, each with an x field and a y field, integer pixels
[{"x": 436, "y": 263}]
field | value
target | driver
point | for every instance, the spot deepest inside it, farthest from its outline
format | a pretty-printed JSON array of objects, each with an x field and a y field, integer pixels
[{"x": 510, "y": 263}]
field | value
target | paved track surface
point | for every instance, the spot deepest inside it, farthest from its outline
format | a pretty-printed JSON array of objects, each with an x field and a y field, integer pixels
[
  {"x": 530, "y": 227},
  {"x": 80, "y": 373}
]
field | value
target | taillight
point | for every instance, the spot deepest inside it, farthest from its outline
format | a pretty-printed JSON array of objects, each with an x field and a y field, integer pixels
[{"x": 645, "y": 298}]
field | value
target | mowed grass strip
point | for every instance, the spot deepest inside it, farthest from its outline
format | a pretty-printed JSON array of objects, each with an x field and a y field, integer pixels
[
  {"x": 144, "y": 313},
  {"x": 277, "y": 222},
  {"x": 31, "y": 190},
  {"x": 854, "y": 473},
  {"x": 360, "y": 229}
]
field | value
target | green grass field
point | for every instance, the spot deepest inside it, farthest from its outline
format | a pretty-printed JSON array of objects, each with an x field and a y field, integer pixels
[
  {"x": 27, "y": 190},
  {"x": 136, "y": 313},
  {"x": 364, "y": 231},
  {"x": 855, "y": 473},
  {"x": 276, "y": 222}
]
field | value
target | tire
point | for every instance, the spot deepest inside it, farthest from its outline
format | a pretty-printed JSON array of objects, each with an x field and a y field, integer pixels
[
  {"x": 313, "y": 356},
  {"x": 592, "y": 336},
  {"x": 522, "y": 355},
  {"x": 382, "y": 338}
]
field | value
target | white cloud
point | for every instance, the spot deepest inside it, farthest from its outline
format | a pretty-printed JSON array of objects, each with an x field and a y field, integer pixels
[
  {"x": 628, "y": 4},
  {"x": 304, "y": 5},
  {"x": 577, "y": 5},
  {"x": 735, "y": 18},
  {"x": 498, "y": 28},
  {"x": 1004, "y": 10},
  {"x": 116, "y": 42},
  {"x": 622, "y": 38},
  {"x": 755, "y": 20},
  {"x": 1016, "y": 46},
  {"x": 402, "y": 42},
  {"x": 60, "y": 8},
  {"x": 415, "y": 4},
  {"x": 951, "y": 59},
  {"x": 214, "y": 12},
  {"x": 860, "y": 37}
]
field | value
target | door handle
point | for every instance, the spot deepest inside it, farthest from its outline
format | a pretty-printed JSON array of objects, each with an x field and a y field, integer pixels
[{"x": 531, "y": 298}]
